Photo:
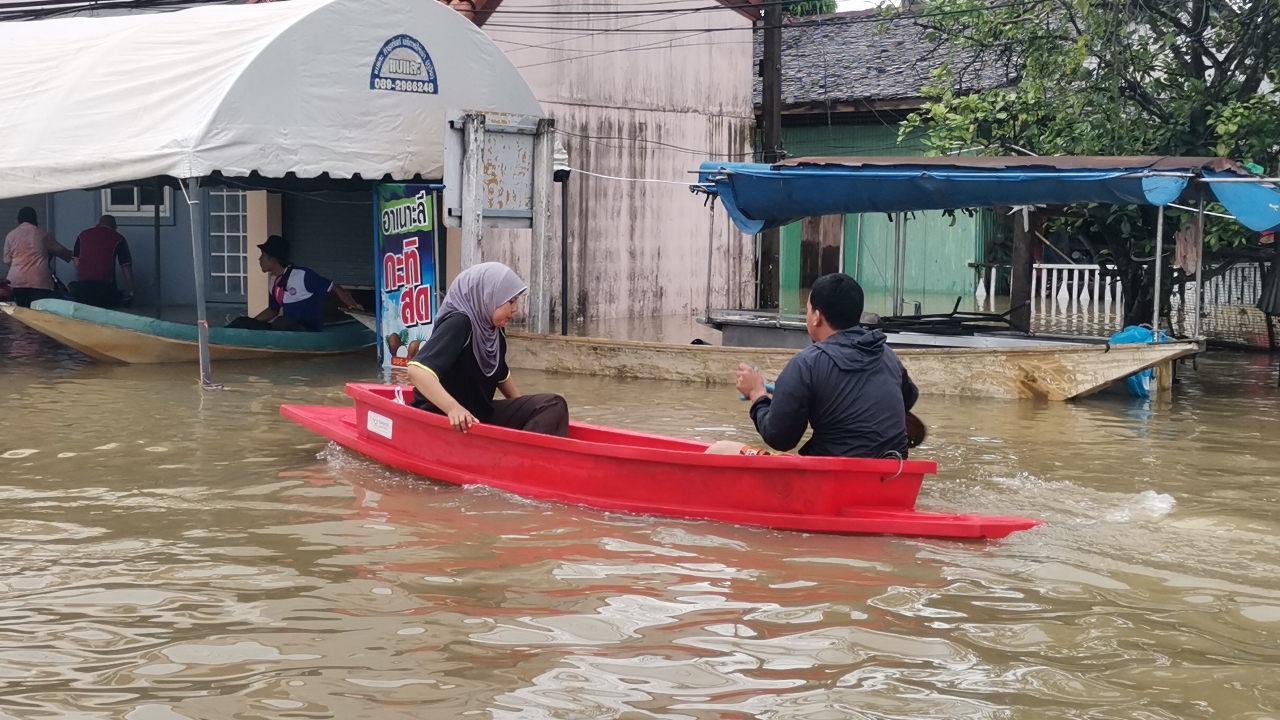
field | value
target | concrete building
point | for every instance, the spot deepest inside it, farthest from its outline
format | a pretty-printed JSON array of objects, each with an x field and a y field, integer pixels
[{"x": 641, "y": 94}]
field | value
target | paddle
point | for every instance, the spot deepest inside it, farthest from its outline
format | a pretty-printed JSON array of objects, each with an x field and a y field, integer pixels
[{"x": 916, "y": 431}]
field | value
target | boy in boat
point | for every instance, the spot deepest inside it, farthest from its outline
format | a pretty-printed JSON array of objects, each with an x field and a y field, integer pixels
[
  {"x": 848, "y": 385},
  {"x": 465, "y": 359},
  {"x": 296, "y": 298}
]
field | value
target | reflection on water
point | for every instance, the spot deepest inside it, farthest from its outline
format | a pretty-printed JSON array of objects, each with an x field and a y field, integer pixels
[{"x": 169, "y": 555}]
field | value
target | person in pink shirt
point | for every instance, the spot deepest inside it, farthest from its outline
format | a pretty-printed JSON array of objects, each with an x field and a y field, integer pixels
[{"x": 27, "y": 249}]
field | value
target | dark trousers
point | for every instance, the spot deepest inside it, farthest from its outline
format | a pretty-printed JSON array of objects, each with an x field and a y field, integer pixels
[
  {"x": 545, "y": 413},
  {"x": 96, "y": 293},
  {"x": 25, "y": 296},
  {"x": 280, "y": 323}
]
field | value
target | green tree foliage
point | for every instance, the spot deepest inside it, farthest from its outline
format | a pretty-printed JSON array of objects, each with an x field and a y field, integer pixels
[
  {"x": 1108, "y": 77},
  {"x": 811, "y": 7}
]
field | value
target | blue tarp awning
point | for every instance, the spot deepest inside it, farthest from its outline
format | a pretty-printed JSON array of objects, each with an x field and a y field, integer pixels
[{"x": 759, "y": 196}]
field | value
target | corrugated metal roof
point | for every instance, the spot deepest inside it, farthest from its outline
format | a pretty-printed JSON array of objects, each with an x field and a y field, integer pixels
[{"x": 861, "y": 56}]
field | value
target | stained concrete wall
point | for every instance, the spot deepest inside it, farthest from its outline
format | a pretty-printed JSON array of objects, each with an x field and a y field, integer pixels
[{"x": 651, "y": 104}]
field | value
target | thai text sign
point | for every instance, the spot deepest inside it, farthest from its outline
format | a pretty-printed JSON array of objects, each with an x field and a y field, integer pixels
[{"x": 405, "y": 270}]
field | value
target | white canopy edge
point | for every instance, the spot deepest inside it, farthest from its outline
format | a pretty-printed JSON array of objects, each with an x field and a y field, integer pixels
[{"x": 272, "y": 88}]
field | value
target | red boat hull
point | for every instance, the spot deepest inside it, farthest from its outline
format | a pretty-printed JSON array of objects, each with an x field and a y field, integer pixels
[{"x": 623, "y": 471}]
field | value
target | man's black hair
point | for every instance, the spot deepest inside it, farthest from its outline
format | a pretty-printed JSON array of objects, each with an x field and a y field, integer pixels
[
  {"x": 839, "y": 298},
  {"x": 27, "y": 215}
]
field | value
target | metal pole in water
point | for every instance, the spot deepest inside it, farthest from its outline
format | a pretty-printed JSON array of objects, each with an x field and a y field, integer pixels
[
  {"x": 196, "y": 214},
  {"x": 711, "y": 245},
  {"x": 472, "y": 168},
  {"x": 897, "y": 262},
  {"x": 544, "y": 148},
  {"x": 857, "y": 249},
  {"x": 1155, "y": 293},
  {"x": 564, "y": 256},
  {"x": 1195, "y": 301},
  {"x": 155, "y": 224}
]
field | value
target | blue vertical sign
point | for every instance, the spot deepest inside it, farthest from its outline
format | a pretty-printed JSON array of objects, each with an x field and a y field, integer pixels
[{"x": 405, "y": 270}]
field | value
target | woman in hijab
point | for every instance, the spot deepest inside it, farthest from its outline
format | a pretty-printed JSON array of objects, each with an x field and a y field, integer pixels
[{"x": 465, "y": 359}]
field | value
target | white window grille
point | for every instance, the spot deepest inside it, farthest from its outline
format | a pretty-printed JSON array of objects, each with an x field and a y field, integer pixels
[
  {"x": 228, "y": 243},
  {"x": 136, "y": 201}
]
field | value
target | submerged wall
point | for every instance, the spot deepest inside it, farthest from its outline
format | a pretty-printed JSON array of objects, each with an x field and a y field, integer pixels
[{"x": 653, "y": 105}]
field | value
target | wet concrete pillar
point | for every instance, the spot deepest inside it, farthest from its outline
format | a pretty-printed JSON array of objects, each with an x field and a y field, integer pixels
[{"x": 262, "y": 210}]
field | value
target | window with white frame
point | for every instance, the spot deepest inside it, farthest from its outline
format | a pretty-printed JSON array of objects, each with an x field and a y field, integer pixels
[
  {"x": 136, "y": 201},
  {"x": 228, "y": 243}
]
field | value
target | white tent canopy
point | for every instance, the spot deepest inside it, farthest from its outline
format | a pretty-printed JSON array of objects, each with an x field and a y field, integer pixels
[{"x": 307, "y": 87}]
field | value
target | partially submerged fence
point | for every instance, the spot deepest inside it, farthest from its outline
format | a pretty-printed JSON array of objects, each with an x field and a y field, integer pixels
[
  {"x": 1085, "y": 300},
  {"x": 1229, "y": 313}
]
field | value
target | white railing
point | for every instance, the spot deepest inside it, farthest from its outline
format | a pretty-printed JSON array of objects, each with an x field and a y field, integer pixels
[
  {"x": 1063, "y": 292},
  {"x": 1081, "y": 292}
]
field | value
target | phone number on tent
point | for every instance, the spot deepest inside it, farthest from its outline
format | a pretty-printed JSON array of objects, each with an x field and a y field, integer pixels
[{"x": 417, "y": 86}]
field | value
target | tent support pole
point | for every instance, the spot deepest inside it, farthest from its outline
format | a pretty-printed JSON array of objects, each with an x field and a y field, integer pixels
[
  {"x": 1195, "y": 301},
  {"x": 1157, "y": 263},
  {"x": 899, "y": 240},
  {"x": 857, "y": 250},
  {"x": 196, "y": 214},
  {"x": 472, "y": 167},
  {"x": 155, "y": 223},
  {"x": 564, "y": 256},
  {"x": 544, "y": 149}
]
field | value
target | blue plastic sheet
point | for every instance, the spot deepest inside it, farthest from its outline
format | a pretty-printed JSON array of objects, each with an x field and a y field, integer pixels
[
  {"x": 1139, "y": 383},
  {"x": 758, "y": 196}
]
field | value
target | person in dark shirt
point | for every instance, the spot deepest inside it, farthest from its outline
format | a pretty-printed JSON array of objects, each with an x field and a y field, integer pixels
[
  {"x": 95, "y": 255},
  {"x": 465, "y": 359},
  {"x": 848, "y": 385},
  {"x": 296, "y": 298}
]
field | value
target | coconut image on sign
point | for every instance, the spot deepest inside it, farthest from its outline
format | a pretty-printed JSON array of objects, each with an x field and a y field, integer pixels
[{"x": 403, "y": 65}]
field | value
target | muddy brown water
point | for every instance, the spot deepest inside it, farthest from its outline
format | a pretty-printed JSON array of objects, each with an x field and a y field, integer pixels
[{"x": 168, "y": 554}]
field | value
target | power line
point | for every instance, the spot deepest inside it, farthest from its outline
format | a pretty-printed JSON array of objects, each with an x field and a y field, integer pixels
[
  {"x": 597, "y": 139},
  {"x": 830, "y": 20},
  {"x": 659, "y": 45},
  {"x": 628, "y": 179}
]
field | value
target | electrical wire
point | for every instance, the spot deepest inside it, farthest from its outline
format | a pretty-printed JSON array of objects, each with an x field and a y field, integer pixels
[
  {"x": 794, "y": 23},
  {"x": 627, "y": 179}
]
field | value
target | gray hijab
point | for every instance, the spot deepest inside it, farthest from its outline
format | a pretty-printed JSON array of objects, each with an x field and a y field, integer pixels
[{"x": 477, "y": 292}]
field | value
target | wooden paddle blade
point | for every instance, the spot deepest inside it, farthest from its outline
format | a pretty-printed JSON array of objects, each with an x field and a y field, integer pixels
[{"x": 916, "y": 431}]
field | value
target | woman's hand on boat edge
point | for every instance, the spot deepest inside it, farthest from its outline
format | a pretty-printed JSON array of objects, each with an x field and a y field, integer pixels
[
  {"x": 461, "y": 419},
  {"x": 428, "y": 384}
]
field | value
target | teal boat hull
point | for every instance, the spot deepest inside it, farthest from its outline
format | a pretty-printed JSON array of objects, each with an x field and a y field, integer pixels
[{"x": 115, "y": 336}]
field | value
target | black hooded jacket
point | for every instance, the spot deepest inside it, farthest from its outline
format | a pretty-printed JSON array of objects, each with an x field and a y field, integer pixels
[{"x": 851, "y": 388}]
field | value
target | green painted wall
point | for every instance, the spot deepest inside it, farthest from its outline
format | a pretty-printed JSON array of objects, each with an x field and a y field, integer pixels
[{"x": 939, "y": 248}]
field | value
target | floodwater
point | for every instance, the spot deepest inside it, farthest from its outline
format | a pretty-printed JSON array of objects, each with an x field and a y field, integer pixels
[{"x": 169, "y": 554}]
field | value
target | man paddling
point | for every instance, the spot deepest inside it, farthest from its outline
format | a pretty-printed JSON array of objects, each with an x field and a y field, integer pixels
[{"x": 849, "y": 385}]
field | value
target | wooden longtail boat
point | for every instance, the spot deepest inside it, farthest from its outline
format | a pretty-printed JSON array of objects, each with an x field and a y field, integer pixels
[
  {"x": 631, "y": 472},
  {"x": 1051, "y": 371},
  {"x": 121, "y": 337}
]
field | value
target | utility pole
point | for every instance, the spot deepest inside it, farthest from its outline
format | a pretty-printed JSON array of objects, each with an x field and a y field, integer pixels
[{"x": 771, "y": 120}]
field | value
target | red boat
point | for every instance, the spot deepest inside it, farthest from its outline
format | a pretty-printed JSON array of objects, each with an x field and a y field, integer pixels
[{"x": 619, "y": 470}]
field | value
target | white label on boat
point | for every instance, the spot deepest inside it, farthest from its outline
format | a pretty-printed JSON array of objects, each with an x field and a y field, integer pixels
[{"x": 380, "y": 424}]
